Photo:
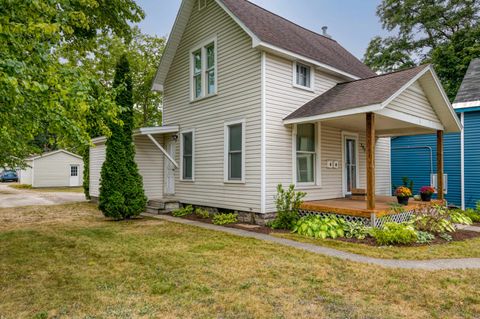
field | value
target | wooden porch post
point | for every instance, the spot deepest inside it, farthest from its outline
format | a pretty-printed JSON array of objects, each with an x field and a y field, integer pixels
[
  {"x": 370, "y": 161},
  {"x": 440, "y": 165}
]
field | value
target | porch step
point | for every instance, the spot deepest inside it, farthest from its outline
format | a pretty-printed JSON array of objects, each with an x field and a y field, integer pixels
[{"x": 162, "y": 206}]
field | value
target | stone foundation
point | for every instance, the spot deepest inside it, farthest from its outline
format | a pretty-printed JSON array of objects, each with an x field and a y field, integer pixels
[{"x": 244, "y": 217}]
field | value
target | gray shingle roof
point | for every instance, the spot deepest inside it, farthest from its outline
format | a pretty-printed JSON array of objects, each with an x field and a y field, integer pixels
[
  {"x": 348, "y": 95},
  {"x": 275, "y": 30},
  {"x": 470, "y": 89}
]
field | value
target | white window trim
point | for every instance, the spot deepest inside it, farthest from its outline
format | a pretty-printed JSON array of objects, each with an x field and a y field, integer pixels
[
  {"x": 434, "y": 182},
  {"x": 356, "y": 136},
  {"x": 226, "y": 139},
  {"x": 201, "y": 46},
  {"x": 317, "y": 183},
  {"x": 193, "y": 155},
  {"x": 310, "y": 88}
]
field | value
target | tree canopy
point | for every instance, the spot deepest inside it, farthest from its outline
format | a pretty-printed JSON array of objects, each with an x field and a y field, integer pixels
[
  {"x": 41, "y": 93},
  {"x": 445, "y": 33},
  {"x": 144, "y": 53}
]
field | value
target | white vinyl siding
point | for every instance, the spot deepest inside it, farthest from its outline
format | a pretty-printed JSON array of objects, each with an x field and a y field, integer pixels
[
  {"x": 383, "y": 167},
  {"x": 238, "y": 97},
  {"x": 414, "y": 102},
  {"x": 281, "y": 100},
  {"x": 149, "y": 160}
]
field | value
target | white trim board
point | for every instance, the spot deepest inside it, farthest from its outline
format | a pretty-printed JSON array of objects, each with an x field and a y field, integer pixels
[{"x": 463, "y": 105}]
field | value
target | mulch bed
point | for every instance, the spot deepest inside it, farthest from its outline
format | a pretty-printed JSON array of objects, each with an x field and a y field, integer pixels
[{"x": 459, "y": 235}]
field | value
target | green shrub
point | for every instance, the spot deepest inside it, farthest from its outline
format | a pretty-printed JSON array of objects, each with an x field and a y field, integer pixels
[
  {"x": 458, "y": 217},
  {"x": 202, "y": 213},
  {"x": 182, "y": 212},
  {"x": 446, "y": 237},
  {"x": 424, "y": 237},
  {"x": 320, "y": 227},
  {"x": 224, "y": 219},
  {"x": 288, "y": 204},
  {"x": 395, "y": 234},
  {"x": 474, "y": 215},
  {"x": 434, "y": 219},
  {"x": 121, "y": 185},
  {"x": 356, "y": 230}
]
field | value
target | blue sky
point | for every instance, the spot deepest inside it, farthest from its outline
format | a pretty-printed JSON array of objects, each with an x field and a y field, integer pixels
[{"x": 351, "y": 22}]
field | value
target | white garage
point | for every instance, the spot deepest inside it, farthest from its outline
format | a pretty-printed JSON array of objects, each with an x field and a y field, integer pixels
[{"x": 54, "y": 169}]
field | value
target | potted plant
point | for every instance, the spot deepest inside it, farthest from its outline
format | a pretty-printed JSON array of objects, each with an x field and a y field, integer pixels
[
  {"x": 403, "y": 194},
  {"x": 426, "y": 192}
]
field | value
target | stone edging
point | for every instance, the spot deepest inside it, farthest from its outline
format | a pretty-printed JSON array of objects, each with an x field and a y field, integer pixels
[{"x": 432, "y": 264}]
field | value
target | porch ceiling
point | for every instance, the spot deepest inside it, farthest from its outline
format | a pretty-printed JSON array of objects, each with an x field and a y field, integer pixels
[{"x": 384, "y": 126}]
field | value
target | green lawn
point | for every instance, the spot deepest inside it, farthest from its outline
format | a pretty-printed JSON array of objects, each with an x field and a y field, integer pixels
[
  {"x": 68, "y": 261},
  {"x": 457, "y": 249}
]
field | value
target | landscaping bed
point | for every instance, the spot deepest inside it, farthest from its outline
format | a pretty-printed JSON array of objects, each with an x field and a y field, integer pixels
[{"x": 459, "y": 235}]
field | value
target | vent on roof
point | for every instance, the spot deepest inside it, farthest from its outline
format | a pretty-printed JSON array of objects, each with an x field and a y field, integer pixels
[
  {"x": 202, "y": 4},
  {"x": 324, "y": 32}
]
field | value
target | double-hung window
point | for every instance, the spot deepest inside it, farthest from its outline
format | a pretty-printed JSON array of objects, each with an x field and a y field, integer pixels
[
  {"x": 187, "y": 148},
  {"x": 305, "y": 153},
  {"x": 303, "y": 76},
  {"x": 234, "y": 151},
  {"x": 204, "y": 70}
]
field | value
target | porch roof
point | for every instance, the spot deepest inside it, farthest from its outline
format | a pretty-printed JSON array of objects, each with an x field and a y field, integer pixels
[
  {"x": 144, "y": 131},
  {"x": 349, "y": 100}
]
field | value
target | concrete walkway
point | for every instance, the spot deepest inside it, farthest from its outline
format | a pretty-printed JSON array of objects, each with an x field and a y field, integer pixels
[
  {"x": 12, "y": 197},
  {"x": 432, "y": 264}
]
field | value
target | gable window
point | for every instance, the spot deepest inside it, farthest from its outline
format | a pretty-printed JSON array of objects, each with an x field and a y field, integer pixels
[
  {"x": 303, "y": 76},
  {"x": 202, "y": 4},
  {"x": 187, "y": 150},
  {"x": 235, "y": 151},
  {"x": 204, "y": 70},
  {"x": 305, "y": 153}
]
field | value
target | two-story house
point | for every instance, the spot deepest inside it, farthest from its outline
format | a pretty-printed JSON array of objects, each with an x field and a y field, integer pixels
[{"x": 252, "y": 100}]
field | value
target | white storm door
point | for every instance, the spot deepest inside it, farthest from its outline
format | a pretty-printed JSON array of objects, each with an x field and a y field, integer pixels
[
  {"x": 170, "y": 169},
  {"x": 74, "y": 176},
  {"x": 350, "y": 153}
]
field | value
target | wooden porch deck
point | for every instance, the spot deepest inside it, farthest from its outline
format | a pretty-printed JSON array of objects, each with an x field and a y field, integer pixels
[{"x": 354, "y": 207}]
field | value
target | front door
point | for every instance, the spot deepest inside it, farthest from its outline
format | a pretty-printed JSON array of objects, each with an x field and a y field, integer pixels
[
  {"x": 350, "y": 161},
  {"x": 74, "y": 176},
  {"x": 170, "y": 169}
]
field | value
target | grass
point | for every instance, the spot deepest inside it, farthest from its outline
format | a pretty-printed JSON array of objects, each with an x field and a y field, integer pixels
[
  {"x": 68, "y": 261},
  {"x": 48, "y": 189},
  {"x": 457, "y": 249}
]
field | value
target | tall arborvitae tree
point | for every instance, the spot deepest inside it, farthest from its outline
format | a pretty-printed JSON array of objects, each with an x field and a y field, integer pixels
[
  {"x": 121, "y": 186},
  {"x": 135, "y": 199}
]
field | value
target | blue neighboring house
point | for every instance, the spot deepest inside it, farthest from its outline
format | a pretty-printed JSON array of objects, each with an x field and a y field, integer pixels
[{"x": 415, "y": 156}]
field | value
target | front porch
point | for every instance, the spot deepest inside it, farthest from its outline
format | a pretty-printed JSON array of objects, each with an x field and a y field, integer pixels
[{"x": 357, "y": 208}]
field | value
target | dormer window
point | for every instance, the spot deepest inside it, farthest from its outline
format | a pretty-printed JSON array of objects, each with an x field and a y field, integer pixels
[
  {"x": 303, "y": 76},
  {"x": 204, "y": 70}
]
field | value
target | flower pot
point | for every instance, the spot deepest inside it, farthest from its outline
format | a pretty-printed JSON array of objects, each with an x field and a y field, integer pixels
[
  {"x": 402, "y": 200},
  {"x": 426, "y": 197}
]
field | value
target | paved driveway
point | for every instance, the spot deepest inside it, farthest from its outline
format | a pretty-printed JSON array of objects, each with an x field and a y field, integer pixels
[{"x": 11, "y": 197}]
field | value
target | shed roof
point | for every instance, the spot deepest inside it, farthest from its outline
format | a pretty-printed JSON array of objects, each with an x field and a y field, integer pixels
[
  {"x": 353, "y": 94},
  {"x": 34, "y": 157}
]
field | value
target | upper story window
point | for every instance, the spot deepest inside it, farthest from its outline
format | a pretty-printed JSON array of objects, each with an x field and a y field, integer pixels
[
  {"x": 303, "y": 76},
  {"x": 204, "y": 70}
]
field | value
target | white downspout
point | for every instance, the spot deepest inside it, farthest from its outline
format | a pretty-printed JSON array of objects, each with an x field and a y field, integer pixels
[
  {"x": 462, "y": 159},
  {"x": 163, "y": 150}
]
